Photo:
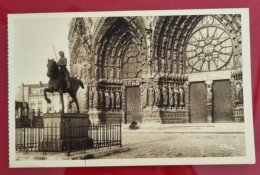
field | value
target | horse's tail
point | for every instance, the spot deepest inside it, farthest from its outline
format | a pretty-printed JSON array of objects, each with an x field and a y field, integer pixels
[{"x": 81, "y": 84}]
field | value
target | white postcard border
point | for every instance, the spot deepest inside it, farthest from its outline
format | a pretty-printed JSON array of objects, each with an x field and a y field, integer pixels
[{"x": 248, "y": 121}]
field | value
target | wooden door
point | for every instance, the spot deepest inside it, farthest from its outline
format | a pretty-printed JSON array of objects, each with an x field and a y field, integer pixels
[
  {"x": 133, "y": 98},
  {"x": 198, "y": 102},
  {"x": 222, "y": 107}
]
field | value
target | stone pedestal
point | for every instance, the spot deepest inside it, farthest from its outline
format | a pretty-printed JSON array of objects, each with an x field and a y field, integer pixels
[
  {"x": 170, "y": 116},
  {"x": 111, "y": 117},
  {"x": 61, "y": 119},
  {"x": 151, "y": 115},
  {"x": 209, "y": 112},
  {"x": 94, "y": 116},
  {"x": 238, "y": 114},
  {"x": 64, "y": 131}
]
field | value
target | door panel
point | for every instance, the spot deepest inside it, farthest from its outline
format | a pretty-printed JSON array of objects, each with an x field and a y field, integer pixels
[
  {"x": 198, "y": 102},
  {"x": 133, "y": 111},
  {"x": 222, "y": 109}
]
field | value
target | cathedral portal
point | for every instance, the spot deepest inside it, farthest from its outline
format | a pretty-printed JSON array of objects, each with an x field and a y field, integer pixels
[{"x": 160, "y": 69}]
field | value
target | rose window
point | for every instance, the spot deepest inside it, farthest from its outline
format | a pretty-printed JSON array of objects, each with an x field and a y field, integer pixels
[{"x": 209, "y": 48}]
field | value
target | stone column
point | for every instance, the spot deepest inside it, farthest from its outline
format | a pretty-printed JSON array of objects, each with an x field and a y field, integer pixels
[{"x": 209, "y": 84}]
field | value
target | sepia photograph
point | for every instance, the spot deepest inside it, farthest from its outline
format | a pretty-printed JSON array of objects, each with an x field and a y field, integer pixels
[{"x": 130, "y": 88}]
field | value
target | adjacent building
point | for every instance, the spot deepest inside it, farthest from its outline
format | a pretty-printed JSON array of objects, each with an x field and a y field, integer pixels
[{"x": 33, "y": 96}]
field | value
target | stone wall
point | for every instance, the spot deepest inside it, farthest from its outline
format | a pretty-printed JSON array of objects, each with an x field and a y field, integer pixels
[{"x": 112, "y": 53}]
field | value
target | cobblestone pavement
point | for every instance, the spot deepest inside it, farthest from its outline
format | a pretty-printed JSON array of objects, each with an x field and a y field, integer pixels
[{"x": 169, "y": 145}]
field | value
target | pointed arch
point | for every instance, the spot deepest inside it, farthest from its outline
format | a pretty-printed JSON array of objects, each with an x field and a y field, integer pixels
[{"x": 112, "y": 41}]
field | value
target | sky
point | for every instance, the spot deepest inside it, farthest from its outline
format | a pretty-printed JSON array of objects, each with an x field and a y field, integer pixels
[{"x": 33, "y": 45}]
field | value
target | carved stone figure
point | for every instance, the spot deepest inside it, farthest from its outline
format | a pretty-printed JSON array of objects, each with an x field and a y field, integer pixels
[
  {"x": 181, "y": 96},
  {"x": 112, "y": 96},
  {"x": 168, "y": 54},
  {"x": 123, "y": 96},
  {"x": 209, "y": 93},
  {"x": 169, "y": 66},
  {"x": 176, "y": 95},
  {"x": 118, "y": 73},
  {"x": 118, "y": 62},
  {"x": 107, "y": 97},
  {"x": 148, "y": 42},
  {"x": 78, "y": 27},
  {"x": 156, "y": 66},
  {"x": 157, "y": 96},
  {"x": 181, "y": 68},
  {"x": 151, "y": 95},
  {"x": 239, "y": 93},
  {"x": 165, "y": 96},
  {"x": 171, "y": 103},
  {"x": 100, "y": 95},
  {"x": 163, "y": 66},
  {"x": 145, "y": 69},
  {"x": 118, "y": 99},
  {"x": 91, "y": 95},
  {"x": 111, "y": 73}
]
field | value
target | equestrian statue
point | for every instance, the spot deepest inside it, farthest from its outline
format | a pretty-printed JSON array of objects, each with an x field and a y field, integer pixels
[{"x": 61, "y": 82}]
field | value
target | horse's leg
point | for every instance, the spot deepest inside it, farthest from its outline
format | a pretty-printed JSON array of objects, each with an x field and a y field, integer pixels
[
  {"x": 70, "y": 103},
  {"x": 77, "y": 104},
  {"x": 45, "y": 94},
  {"x": 62, "y": 102}
]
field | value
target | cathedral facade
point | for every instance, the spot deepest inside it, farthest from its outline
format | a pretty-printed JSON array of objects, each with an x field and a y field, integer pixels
[{"x": 159, "y": 69}]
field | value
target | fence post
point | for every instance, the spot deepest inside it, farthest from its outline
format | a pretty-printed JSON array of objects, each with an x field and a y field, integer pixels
[
  {"x": 24, "y": 140},
  {"x": 120, "y": 131},
  {"x": 68, "y": 154}
]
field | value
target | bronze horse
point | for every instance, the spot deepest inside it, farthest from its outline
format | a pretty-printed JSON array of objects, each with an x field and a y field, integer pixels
[{"x": 58, "y": 84}]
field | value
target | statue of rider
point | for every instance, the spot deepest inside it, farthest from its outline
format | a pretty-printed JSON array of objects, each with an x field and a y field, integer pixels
[{"x": 62, "y": 63}]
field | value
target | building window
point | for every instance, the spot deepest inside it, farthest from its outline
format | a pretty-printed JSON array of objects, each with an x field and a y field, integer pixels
[
  {"x": 32, "y": 104},
  {"x": 40, "y": 111}
]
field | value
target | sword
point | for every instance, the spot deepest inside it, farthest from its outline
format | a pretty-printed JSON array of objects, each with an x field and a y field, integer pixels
[{"x": 55, "y": 53}]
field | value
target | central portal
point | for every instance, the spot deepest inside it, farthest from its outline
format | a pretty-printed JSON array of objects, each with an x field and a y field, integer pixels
[{"x": 133, "y": 111}]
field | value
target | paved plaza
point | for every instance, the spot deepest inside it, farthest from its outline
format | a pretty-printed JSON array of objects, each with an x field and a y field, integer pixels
[
  {"x": 165, "y": 141},
  {"x": 192, "y": 140}
]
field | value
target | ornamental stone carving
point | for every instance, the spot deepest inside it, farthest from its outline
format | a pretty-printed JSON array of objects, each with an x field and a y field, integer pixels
[
  {"x": 157, "y": 95},
  {"x": 156, "y": 66},
  {"x": 101, "y": 101},
  {"x": 181, "y": 95},
  {"x": 176, "y": 95},
  {"x": 209, "y": 92},
  {"x": 112, "y": 96},
  {"x": 107, "y": 98},
  {"x": 239, "y": 92},
  {"x": 118, "y": 99},
  {"x": 171, "y": 93},
  {"x": 165, "y": 96},
  {"x": 95, "y": 98},
  {"x": 151, "y": 95},
  {"x": 91, "y": 95}
]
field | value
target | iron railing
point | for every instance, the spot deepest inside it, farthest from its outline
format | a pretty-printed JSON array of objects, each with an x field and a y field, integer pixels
[{"x": 68, "y": 137}]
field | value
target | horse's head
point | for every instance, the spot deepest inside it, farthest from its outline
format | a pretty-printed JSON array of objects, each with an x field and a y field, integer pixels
[{"x": 52, "y": 68}]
